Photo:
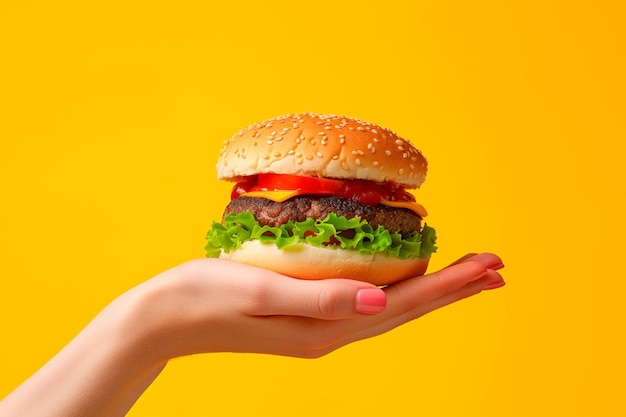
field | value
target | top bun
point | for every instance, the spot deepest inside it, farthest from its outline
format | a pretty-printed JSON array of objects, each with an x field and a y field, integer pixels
[{"x": 322, "y": 145}]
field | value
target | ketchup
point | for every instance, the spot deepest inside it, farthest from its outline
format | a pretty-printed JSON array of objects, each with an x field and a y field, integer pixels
[{"x": 361, "y": 191}]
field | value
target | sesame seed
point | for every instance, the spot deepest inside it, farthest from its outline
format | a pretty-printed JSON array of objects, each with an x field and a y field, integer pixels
[
  {"x": 369, "y": 145},
  {"x": 374, "y": 131},
  {"x": 295, "y": 125},
  {"x": 398, "y": 142},
  {"x": 375, "y": 163},
  {"x": 335, "y": 157},
  {"x": 327, "y": 127},
  {"x": 313, "y": 141},
  {"x": 277, "y": 154},
  {"x": 290, "y": 152},
  {"x": 342, "y": 141},
  {"x": 412, "y": 166},
  {"x": 388, "y": 152},
  {"x": 265, "y": 156},
  {"x": 256, "y": 134},
  {"x": 270, "y": 142},
  {"x": 405, "y": 155},
  {"x": 320, "y": 154},
  {"x": 321, "y": 133},
  {"x": 357, "y": 161},
  {"x": 401, "y": 171},
  {"x": 342, "y": 136},
  {"x": 298, "y": 154},
  {"x": 299, "y": 162},
  {"x": 401, "y": 148},
  {"x": 344, "y": 165},
  {"x": 373, "y": 150},
  {"x": 298, "y": 140},
  {"x": 273, "y": 133}
]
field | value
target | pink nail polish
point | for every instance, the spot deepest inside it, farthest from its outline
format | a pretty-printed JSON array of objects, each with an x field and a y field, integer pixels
[
  {"x": 370, "y": 301},
  {"x": 496, "y": 267}
]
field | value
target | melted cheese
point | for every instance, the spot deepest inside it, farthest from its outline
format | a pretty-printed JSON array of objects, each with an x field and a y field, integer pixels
[
  {"x": 281, "y": 196},
  {"x": 411, "y": 205}
]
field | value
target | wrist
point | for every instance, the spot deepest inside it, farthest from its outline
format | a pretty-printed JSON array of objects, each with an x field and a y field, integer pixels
[
  {"x": 158, "y": 317},
  {"x": 136, "y": 319}
]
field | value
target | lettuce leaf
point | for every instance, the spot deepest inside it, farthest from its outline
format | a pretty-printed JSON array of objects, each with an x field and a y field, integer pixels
[{"x": 332, "y": 231}]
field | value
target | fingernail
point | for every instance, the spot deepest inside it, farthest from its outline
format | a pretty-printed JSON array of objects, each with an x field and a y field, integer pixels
[
  {"x": 370, "y": 301},
  {"x": 497, "y": 266},
  {"x": 494, "y": 285}
]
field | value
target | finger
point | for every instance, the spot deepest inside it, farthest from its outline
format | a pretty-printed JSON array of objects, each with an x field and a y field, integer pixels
[
  {"x": 329, "y": 299},
  {"x": 405, "y": 297},
  {"x": 382, "y": 324},
  {"x": 407, "y": 294},
  {"x": 490, "y": 260},
  {"x": 491, "y": 280}
]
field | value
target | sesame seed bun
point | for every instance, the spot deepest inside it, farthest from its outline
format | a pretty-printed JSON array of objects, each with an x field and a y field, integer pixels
[
  {"x": 324, "y": 146},
  {"x": 310, "y": 262},
  {"x": 319, "y": 145}
]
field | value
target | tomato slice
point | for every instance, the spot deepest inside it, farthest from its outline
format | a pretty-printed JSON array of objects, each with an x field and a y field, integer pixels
[
  {"x": 308, "y": 185},
  {"x": 361, "y": 191}
]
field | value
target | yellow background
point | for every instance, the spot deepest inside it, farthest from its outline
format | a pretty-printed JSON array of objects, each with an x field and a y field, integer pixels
[{"x": 112, "y": 115}]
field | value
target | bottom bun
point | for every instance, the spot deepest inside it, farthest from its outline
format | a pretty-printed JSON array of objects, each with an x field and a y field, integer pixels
[{"x": 311, "y": 262}]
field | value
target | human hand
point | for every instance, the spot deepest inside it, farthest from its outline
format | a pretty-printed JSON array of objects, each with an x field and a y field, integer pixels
[{"x": 212, "y": 305}]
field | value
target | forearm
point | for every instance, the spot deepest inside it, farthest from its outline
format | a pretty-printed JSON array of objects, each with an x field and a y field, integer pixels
[{"x": 100, "y": 372}]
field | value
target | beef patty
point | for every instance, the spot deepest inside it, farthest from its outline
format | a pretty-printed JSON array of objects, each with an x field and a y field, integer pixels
[{"x": 298, "y": 209}]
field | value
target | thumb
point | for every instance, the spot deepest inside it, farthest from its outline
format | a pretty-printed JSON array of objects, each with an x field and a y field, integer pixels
[{"x": 328, "y": 299}]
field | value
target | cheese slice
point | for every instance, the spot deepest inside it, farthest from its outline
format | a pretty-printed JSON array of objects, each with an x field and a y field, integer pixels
[
  {"x": 411, "y": 205},
  {"x": 277, "y": 196},
  {"x": 281, "y": 196}
]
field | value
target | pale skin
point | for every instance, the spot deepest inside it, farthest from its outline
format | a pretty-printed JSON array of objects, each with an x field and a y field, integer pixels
[{"x": 211, "y": 305}]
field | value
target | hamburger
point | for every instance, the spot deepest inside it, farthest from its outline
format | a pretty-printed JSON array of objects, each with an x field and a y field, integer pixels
[{"x": 323, "y": 196}]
